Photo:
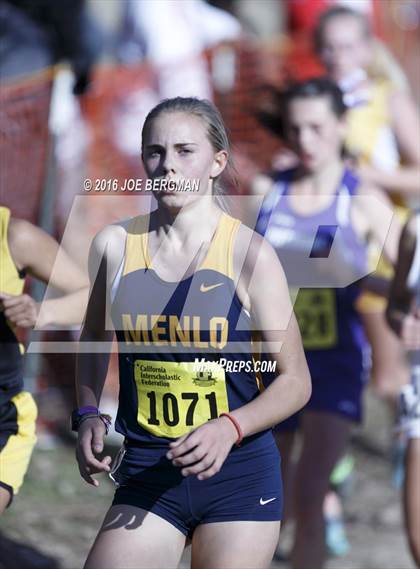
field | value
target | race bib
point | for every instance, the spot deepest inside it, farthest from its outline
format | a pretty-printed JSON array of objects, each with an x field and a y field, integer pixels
[
  {"x": 315, "y": 311},
  {"x": 174, "y": 398}
]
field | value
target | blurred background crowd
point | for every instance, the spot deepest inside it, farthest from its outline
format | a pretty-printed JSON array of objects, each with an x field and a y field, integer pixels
[{"x": 77, "y": 80}]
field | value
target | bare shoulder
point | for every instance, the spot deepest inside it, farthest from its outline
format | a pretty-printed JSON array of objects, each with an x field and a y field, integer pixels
[
  {"x": 110, "y": 237},
  {"x": 364, "y": 212},
  {"x": 27, "y": 241},
  {"x": 109, "y": 244},
  {"x": 379, "y": 197},
  {"x": 261, "y": 279},
  {"x": 254, "y": 251},
  {"x": 21, "y": 232}
]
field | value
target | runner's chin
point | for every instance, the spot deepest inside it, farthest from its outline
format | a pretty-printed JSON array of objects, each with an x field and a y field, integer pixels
[{"x": 172, "y": 199}]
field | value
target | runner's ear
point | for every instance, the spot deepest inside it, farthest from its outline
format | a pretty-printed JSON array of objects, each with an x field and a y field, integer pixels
[{"x": 219, "y": 163}]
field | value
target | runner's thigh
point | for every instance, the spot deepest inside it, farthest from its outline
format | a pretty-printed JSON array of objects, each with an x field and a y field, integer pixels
[
  {"x": 234, "y": 545},
  {"x": 134, "y": 538}
]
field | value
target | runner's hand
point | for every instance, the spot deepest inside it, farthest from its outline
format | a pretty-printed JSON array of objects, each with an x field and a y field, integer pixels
[
  {"x": 203, "y": 451},
  {"x": 90, "y": 443},
  {"x": 21, "y": 310}
]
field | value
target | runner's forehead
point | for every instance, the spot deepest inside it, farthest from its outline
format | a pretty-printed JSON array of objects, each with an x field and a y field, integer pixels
[
  {"x": 313, "y": 109},
  {"x": 343, "y": 29},
  {"x": 176, "y": 128}
]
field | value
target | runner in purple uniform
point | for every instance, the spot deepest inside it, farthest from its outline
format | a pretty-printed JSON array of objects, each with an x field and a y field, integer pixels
[{"x": 312, "y": 215}]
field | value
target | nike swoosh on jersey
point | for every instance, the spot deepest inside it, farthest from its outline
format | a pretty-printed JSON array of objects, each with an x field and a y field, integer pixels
[
  {"x": 264, "y": 502},
  {"x": 204, "y": 288}
]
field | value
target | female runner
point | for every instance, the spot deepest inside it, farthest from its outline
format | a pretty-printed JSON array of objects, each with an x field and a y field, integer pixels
[
  {"x": 188, "y": 281},
  {"x": 27, "y": 250},
  {"x": 382, "y": 130},
  {"x": 314, "y": 213}
]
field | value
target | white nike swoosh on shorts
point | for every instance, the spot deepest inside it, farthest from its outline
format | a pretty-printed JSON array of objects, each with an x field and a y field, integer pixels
[{"x": 264, "y": 502}]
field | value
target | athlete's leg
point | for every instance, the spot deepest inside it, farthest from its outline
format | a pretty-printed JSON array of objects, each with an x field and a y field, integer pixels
[
  {"x": 20, "y": 413},
  {"x": 5, "y": 497},
  {"x": 324, "y": 439},
  {"x": 412, "y": 497},
  {"x": 389, "y": 369},
  {"x": 132, "y": 538},
  {"x": 234, "y": 545}
]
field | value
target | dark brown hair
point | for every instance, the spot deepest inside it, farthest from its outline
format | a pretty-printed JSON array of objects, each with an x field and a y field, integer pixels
[{"x": 315, "y": 87}]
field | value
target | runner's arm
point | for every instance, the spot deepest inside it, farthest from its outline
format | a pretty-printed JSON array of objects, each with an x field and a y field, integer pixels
[
  {"x": 92, "y": 361},
  {"x": 42, "y": 257},
  {"x": 272, "y": 312},
  {"x": 94, "y": 351},
  {"x": 385, "y": 237},
  {"x": 406, "y": 126}
]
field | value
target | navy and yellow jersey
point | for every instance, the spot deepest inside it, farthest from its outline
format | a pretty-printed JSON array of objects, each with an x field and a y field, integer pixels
[
  {"x": 11, "y": 282},
  {"x": 163, "y": 328}
]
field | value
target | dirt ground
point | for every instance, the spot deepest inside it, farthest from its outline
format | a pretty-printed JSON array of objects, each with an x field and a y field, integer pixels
[{"x": 58, "y": 515}]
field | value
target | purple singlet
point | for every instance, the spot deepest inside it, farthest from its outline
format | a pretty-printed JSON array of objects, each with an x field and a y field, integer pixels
[{"x": 331, "y": 329}]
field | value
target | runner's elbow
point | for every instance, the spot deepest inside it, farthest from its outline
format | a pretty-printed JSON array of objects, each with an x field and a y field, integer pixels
[{"x": 305, "y": 390}]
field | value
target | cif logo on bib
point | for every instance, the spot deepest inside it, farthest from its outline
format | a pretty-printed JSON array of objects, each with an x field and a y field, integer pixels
[{"x": 204, "y": 378}]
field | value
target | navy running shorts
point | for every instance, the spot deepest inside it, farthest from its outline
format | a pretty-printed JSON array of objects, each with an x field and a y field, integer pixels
[{"x": 247, "y": 488}]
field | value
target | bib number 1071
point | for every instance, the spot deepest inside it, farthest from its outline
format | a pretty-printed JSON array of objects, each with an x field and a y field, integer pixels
[{"x": 173, "y": 411}]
